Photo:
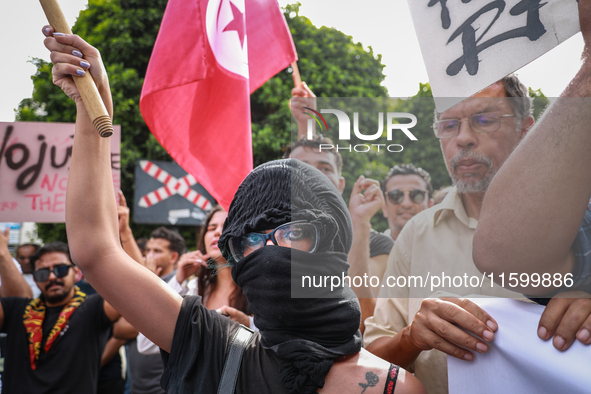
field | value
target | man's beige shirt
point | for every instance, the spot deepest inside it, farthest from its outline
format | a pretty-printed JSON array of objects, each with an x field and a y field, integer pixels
[{"x": 436, "y": 241}]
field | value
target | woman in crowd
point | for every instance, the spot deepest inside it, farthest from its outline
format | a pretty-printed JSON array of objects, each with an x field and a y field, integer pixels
[
  {"x": 285, "y": 215},
  {"x": 214, "y": 278}
]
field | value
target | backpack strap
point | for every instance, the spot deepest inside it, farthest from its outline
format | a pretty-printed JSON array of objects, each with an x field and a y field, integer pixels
[{"x": 233, "y": 360}]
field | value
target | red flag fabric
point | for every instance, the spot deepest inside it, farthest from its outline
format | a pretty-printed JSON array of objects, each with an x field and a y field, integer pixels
[{"x": 208, "y": 57}]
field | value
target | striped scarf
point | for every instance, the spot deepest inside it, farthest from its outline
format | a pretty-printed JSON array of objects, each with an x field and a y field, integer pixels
[{"x": 33, "y": 321}]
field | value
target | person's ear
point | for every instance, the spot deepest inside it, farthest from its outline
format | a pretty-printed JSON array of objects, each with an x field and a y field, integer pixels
[
  {"x": 77, "y": 274},
  {"x": 175, "y": 257},
  {"x": 341, "y": 184},
  {"x": 526, "y": 125}
]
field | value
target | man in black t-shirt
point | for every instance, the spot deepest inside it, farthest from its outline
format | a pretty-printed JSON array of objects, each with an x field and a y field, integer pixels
[{"x": 55, "y": 341}]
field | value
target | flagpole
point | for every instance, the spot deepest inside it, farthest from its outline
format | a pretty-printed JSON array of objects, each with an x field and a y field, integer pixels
[
  {"x": 297, "y": 79},
  {"x": 88, "y": 91}
]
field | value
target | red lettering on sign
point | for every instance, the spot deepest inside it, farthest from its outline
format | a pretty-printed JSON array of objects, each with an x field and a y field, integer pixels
[{"x": 46, "y": 183}]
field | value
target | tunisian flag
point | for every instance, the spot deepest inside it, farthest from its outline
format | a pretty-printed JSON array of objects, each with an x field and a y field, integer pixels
[{"x": 208, "y": 57}]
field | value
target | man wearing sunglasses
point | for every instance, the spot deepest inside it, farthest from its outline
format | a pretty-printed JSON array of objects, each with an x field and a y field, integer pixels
[
  {"x": 408, "y": 191},
  {"x": 56, "y": 340}
]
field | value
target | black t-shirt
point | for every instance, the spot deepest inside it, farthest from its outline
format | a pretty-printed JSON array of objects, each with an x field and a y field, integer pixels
[
  {"x": 379, "y": 243},
  {"x": 201, "y": 342},
  {"x": 71, "y": 365}
]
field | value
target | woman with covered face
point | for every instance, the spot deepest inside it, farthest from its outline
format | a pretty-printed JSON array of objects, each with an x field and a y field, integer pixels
[{"x": 285, "y": 216}]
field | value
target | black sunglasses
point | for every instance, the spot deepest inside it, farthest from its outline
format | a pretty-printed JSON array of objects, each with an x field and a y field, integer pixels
[
  {"x": 396, "y": 196},
  {"x": 42, "y": 274}
]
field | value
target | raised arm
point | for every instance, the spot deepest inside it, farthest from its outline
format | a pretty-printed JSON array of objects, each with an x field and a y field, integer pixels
[
  {"x": 535, "y": 204},
  {"x": 13, "y": 282},
  {"x": 125, "y": 233},
  {"x": 91, "y": 211},
  {"x": 366, "y": 200}
]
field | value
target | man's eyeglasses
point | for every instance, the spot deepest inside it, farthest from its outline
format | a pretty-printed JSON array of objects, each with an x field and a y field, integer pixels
[
  {"x": 300, "y": 235},
  {"x": 480, "y": 123},
  {"x": 396, "y": 196},
  {"x": 42, "y": 274}
]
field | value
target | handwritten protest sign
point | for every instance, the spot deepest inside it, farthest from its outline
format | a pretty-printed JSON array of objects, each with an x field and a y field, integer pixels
[
  {"x": 468, "y": 45},
  {"x": 34, "y": 163},
  {"x": 166, "y": 194}
]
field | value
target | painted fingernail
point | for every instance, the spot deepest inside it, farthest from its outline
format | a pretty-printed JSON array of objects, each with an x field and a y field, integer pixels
[
  {"x": 542, "y": 332},
  {"x": 584, "y": 335},
  {"x": 481, "y": 347},
  {"x": 56, "y": 34},
  {"x": 85, "y": 64},
  {"x": 47, "y": 30},
  {"x": 558, "y": 342},
  {"x": 488, "y": 335},
  {"x": 81, "y": 72},
  {"x": 492, "y": 325},
  {"x": 77, "y": 53},
  {"x": 468, "y": 356}
]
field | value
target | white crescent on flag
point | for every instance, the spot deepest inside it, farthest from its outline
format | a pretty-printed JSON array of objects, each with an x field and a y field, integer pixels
[{"x": 226, "y": 33}]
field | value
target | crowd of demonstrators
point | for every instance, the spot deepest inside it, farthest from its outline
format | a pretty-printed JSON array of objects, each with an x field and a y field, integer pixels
[
  {"x": 477, "y": 136},
  {"x": 290, "y": 213},
  {"x": 302, "y": 346},
  {"x": 408, "y": 191},
  {"x": 51, "y": 348}
]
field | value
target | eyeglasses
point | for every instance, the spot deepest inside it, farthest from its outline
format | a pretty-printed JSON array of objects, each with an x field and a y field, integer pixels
[
  {"x": 396, "y": 196},
  {"x": 480, "y": 123},
  {"x": 42, "y": 274},
  {"x": 300, "y": 235}
]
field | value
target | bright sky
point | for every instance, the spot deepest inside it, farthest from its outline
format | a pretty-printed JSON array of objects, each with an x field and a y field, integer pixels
[{"x": 386, "y": 26}]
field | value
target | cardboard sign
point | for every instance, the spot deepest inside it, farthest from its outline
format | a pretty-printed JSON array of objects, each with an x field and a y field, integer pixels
[
  {"x": 34, "y": 163},
  {"x": 167, "y": 194},
  {"x": 469, "y": 45}
]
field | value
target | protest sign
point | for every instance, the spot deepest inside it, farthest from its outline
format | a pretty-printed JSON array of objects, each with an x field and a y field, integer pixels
[
  {"x": 469, "y": 45},
  {"x": 34, "y": 163},
  {"x": 167, "y": 194}
]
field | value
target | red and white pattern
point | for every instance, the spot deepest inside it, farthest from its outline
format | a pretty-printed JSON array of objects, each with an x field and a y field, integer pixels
[{"x": 172, "y": 186}]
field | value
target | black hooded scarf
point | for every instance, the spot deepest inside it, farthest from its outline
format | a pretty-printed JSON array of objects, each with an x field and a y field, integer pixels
[{"x": 305, "y": 334}]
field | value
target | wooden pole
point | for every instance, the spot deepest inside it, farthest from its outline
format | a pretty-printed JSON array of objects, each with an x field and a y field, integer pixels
[
  {"x": 297, "y": 79},
  {"x": 88, "y": 91}
]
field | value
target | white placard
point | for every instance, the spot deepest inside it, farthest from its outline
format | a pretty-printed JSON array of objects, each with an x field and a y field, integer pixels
[
  {"x": 468, "y": 45},
  {"x": 517, "y": 361}
]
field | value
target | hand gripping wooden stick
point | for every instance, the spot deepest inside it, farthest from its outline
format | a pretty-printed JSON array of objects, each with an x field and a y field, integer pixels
[{"x": 88, "y": 91}]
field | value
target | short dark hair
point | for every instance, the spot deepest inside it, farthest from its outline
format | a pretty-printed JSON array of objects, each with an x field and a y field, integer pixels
[
  {"x": 177, "y": 243},
  {"x": 56, "y": 246},
  {"x": 35, "y": 246},
  {"x": 408, "y": 169},
  {"x": 314, "y": 144}
]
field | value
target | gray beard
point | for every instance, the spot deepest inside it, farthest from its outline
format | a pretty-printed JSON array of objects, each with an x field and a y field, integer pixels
[
  {"x": 472, "y": 184},
  {"x": 466, "y": 185}
]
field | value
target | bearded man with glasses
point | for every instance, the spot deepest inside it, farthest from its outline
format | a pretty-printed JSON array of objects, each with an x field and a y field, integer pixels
[
  {"x": 408, "y": 327},
  {"x": 55, "y": 342}
]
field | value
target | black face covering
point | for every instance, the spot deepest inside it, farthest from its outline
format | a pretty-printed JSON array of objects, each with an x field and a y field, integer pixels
[{"x": 305, "y": 334}]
